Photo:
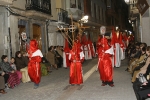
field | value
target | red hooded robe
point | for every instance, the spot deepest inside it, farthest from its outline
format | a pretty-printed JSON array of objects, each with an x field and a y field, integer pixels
[{"x": 34, "y": 69}]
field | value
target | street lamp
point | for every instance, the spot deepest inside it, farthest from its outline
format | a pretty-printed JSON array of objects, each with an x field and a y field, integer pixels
[
  {"x": 127, "y": 1},
  {"x": 84, "y": 19}
]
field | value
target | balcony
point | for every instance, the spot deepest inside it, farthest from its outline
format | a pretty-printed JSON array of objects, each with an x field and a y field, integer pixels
[
  {"x": 6, "y": 2},
  {"x": 75, "y": 12},
  {"x": 62, "y": 15},
  {"x": 43, "y": 6}
]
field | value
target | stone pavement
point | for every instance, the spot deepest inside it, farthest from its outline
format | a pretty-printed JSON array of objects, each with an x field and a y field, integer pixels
[{"x": 56, "y": 86}]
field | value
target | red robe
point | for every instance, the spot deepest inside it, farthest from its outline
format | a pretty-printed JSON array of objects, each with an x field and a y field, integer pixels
[
  {"x": 34, "y": 69},
  {"x": 76, "y": 67},
  {"x": 105, "y": 63},
  {"x": 66, "y": 62},
  {"x": 92, "y": 49}
]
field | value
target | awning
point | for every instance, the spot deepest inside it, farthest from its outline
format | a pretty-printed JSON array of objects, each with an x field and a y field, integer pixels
[{"x": 143, "y": 6}]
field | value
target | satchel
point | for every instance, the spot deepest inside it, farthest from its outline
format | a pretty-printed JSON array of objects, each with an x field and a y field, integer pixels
[{"x": 142, "y": 79}]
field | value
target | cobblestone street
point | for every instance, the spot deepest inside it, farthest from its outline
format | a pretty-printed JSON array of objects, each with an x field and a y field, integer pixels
[{"x": 56, "y": 86}]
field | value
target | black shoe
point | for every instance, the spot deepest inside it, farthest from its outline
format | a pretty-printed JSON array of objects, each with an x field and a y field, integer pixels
[{"x": 111, "y": 85}]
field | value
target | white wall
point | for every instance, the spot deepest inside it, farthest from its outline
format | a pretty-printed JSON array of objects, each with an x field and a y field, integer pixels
[{"x": 146, "y": 30}]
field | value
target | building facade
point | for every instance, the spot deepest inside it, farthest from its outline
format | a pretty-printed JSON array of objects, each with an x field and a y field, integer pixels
[
  {"x": 40, "y": 19},
  {"x": 22, "y": 21}
]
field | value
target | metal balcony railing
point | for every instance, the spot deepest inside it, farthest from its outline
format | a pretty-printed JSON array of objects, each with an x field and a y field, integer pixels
[
  {"x": 39, "y": 5},
  {"x": 62, "y": 15}
]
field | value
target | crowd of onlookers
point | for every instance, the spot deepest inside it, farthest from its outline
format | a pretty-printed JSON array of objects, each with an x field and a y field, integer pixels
[
  {"x": 15, "y": 71},
  {"x": 139, "y": 67}
]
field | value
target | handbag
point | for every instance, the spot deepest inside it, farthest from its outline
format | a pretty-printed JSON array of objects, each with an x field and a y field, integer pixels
[{"x": 142, "y": 79}]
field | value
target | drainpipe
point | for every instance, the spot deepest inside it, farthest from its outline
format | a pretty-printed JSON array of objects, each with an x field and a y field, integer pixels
[
  {"x": 47, "y": 24},
  {"x": 9, "y": 35},
  {"x": 141, "y": 28}
]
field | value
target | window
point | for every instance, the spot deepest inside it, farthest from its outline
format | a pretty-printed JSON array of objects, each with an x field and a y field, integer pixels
[
  {"x": 73, "y": 4},
  {"x": 79, "y": 4},
  {"x": 108, "y": 4}
]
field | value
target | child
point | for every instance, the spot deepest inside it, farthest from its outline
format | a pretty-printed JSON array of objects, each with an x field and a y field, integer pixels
[{"x": 12, "y": 64}]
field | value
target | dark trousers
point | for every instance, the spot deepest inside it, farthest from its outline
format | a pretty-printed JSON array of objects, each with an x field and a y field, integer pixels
[
  {"x": 6, "y": 77},
  {"x": 60, "y": 61}
]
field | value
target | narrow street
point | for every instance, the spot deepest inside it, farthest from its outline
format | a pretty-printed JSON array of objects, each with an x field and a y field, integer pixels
[{"x": 56, "y": 86}]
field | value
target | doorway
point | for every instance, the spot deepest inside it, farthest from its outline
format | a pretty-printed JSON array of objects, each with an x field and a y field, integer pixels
[
  {"x": 37, "y": 35},
  {"x": 22, "y": 43}
]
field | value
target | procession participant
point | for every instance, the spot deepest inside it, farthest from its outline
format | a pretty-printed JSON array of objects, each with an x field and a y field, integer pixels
[
  {"x": 105, "y": 52},
  {"x": 92, "y": 49},
  {"x": 86, "y": 47},
  {"x": 34, "y": 68},
  {"x": 115, "y": 42},
  {"x": 76, "y": 57},
  {"x": 122, "y": 46},
  {"x": 66, "y": 62}
]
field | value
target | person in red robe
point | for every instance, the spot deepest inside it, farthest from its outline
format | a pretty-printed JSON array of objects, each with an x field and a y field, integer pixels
[
  {"x": 92, "y": 49},
  {"x": 116, "y": 43},
  {"x": 35, "y": 57},
  {"x": 105, "y": 67},
  {"x": 76, "y": 57},
  {"x": 66, "y": 62},
  {"x": 125, "y": 39},
  {"x": 86, "y": 47},
  {"x": 122, "y": 45}
]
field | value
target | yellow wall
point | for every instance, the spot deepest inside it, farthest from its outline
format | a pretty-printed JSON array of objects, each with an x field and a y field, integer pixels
[
  {"x": 57, "y": 4},
  {"x": 19, "y": 4},
  {"x": 53, "y": 8}
]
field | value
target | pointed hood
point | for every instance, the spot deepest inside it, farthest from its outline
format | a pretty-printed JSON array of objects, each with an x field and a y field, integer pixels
[
  {"x": 84, "y": 40},
  {"x": 113, "y": 37},
  {"x": 33, "y": 47}
]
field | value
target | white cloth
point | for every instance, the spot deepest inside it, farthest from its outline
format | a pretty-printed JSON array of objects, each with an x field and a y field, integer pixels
[
  {"x": 37, "y": 53},
  {"x": 87, "y": 52},
  {"x": 64, "y": 59},
  {"x": 110, "y": 51},
  {"x": 122, "y": 54},
  {"x": 81, "y": 55},
  {"x": 117, "y": 59}
]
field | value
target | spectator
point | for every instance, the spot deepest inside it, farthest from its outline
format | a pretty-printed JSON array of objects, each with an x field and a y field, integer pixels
[
  {"x": 22, "y": 66},
  {"x": 51, "y": 57},
  {"x": 58, "y": 57},
  {"x": 13, "y": 76},
  {"x": 13, "y": 65}
]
